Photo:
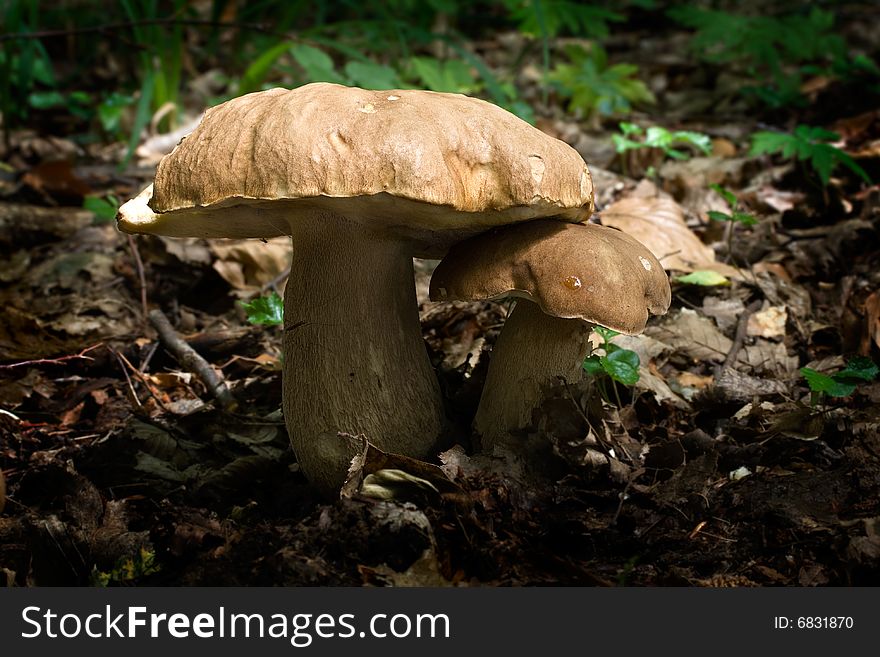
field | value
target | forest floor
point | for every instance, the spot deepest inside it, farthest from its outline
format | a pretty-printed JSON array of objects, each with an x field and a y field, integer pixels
[{"x": 718, "y": 468}]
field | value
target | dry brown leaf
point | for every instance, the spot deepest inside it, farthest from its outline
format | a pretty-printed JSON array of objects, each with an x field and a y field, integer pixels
[
  {"x": 693, "y": 335},
  {"x": 249, "y": 265},
  {"x": 659, "y": 224},
  {"x": 768, "y": 323}
]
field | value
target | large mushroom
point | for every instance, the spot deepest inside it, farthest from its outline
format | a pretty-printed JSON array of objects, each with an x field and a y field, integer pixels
[
  {"x": 566, "y": 278},
  {"x": 362, "y": 181}
]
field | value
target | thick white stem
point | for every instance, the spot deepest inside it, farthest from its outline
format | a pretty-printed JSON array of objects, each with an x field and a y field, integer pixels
[
  {"x": 533, "y": 353},
  {"x": 354, "y": 359}
]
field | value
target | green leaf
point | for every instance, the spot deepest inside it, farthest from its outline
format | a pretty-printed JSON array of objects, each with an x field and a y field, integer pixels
[
  {"x": 451, "y": 76},
  {"x": 317, "y": 64},
  {"x": 703, "y": 277},
  {"x": 592, "y": 366},
  {"x": 728, "y": 196},
  {"x": 744, "y": 218},
  {"x": 714, "y": 215},
  {"x": 622, "y": 365},
  {"x": 605, "y": 333},
  {"x": 370, "y": 75},
  {"x": 860, "y": 368},
  {"x": 819, "y": 382},
  {"x": 104, "y": 209},
  {"x": 46, "y": 100},
  {"x": 257, "y": 72},
  {"x": 266, "y": 311},
  {"x": 110, "y": 111}
]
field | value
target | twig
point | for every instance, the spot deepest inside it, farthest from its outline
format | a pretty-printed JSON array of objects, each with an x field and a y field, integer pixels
[
  {"x": 131, "y": 390},
  {"x": 739, "y": 339},
  {"x": 54, "y": 361},
  {"x": 142, "y": 279},
  {"x": 190, "y": 359},
  {"x": 275, "y": 281}
]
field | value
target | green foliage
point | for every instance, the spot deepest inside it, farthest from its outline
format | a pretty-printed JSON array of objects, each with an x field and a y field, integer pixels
[
  {"x": 634, "y": 137},
  {"x": 549, "y": 18},
  {"x": 265, "y": 311},
  {"x": 103, "y": 207},
  {"x": 842, "y": 383},
  {"x": 593, "y": 86},
  {"x": 128, "y": 570},
  {"x": 735, "y": 215},
  {"x": 705, "y": 277},
  {"x": 808, "y": 144},
  {"x": 777, "y": 50},
  {"x": 621, "y": 365},
  {"x": 452, "y": 75}
]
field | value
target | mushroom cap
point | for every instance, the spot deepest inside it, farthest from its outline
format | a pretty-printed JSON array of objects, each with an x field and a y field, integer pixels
[
  {"x": 430, "y": 167},
  {"x": 576, "y": 271}
]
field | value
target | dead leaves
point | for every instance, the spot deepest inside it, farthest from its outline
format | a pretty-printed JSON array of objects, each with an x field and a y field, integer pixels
[{"x": 658, "y": 223}]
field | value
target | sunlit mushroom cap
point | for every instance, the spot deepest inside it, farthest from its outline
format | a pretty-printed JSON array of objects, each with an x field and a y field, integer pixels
[
  {"x": 577, "y": 271},
  {"x": 435, "y": 168}
]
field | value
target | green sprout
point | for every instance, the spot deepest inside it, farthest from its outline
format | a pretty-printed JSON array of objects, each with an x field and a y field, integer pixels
[
  {"x": 634, "y": 137},
  {"x": 265, "y": 311},
  {"x": 618, "y": 364},
  {"x": 842, "y": 383},
  {"x": 735, "y": 216}
]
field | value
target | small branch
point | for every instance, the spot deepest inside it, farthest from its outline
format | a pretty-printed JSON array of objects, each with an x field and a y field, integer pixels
[
  {"x": 142, "y": 279},
  {"x": 739, "y": 339},
  {"x": 190, "y": 359},
  {"x": 54, "y": 361}
]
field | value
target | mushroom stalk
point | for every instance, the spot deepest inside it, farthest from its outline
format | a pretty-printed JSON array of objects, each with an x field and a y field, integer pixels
[
  {"x": 535, "y": 351},
  {"x": 354, "y": 359}
]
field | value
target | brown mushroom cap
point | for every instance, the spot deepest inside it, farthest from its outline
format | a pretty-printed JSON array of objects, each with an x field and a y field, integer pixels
[
  {"x": 433, "y": 168},
  {"x": 575, "y": 271}
]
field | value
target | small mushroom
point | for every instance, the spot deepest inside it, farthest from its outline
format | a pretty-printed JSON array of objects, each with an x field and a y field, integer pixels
[
  {"x": 363, "y": 181},
  {"x": 566, "y": 278}
]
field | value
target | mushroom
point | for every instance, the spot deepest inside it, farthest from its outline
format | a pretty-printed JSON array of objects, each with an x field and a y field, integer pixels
[
  {"x": 362, "y": 181},
  {"x": 566, "y": 278}
]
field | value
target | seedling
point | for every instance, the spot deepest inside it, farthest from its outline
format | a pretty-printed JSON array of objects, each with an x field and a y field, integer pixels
[
  {"x": 265, "y": 311},
  {"x": 618, "y": 364},
  {"x": 842, "y": 383},
  {"x": 634, "y": 137},
  {"x": 735, "y": 216},
  {"x": 808, "y": 144}
]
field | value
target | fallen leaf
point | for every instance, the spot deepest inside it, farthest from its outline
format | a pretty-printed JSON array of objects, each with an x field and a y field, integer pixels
[
  {"x": 659, "y": 224},
  {"x": 768, "y": 323}
]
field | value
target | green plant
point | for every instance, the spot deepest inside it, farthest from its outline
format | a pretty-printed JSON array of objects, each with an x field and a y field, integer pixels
[
  {"x": 840, "y": 384},
  {"x": 618, "y": 364},
  {"x": 452, "y": 75},
  {"x": 25, "y": 66},
  {"x": 265, "y": 311},
  {"x": 634, "y": 137},
  {"x": 807, "y": 144},
  {"x": 776, "y": 50},
  {"x": 592, "y": 85},
  {"x": 128, "y": 569},
  {"x": 103, "y": 207},
  {"x": 735, "y": 216},
  {"x": 703, "y": 277}
]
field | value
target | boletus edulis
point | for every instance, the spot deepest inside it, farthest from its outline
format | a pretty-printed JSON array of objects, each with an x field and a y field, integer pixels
[{"x": 363, "y": 181}]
